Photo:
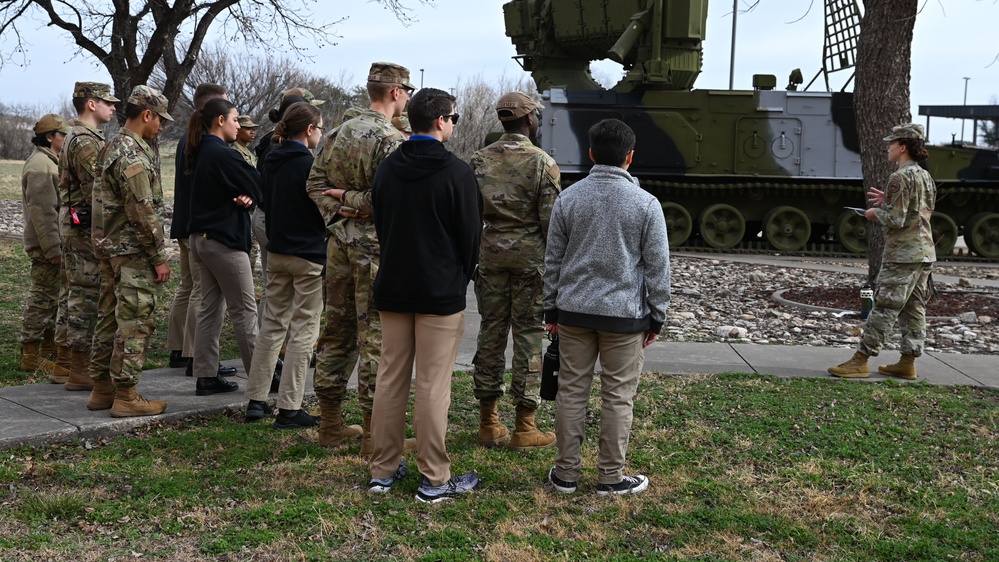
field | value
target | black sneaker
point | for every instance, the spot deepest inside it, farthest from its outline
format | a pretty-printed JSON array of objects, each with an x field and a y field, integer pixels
[
  {"x": 295, "y": 419},
  {"x": 627, "y": 485},
  {"x": 382, "y": 485},
  {"x": 457, "y": 485},
  {"x": 214, "y": 385},
  {"x": 177, "y": 360},
  {"x": 257, "y": 409},
  {"x": 562, "y": 486}
]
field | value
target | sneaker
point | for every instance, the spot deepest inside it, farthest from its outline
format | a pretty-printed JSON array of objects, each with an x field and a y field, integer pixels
[
  {"x": 457, "y": 485},
  {"x": 562, "y": 486},
  {"x": 382, "y": 485},
  {"x": 627, "y": 485},
  {"x": 295, "y": 419},
  {"x": 256, "y": 410}
]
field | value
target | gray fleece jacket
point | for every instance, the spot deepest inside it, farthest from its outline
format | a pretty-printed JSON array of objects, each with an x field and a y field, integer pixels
[{"x": 607, "y": 261}]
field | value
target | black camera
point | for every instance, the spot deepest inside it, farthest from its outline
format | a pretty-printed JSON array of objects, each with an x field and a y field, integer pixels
[
  {"x": 549, "y": 370},
  {"x": 80, "y": 217}
]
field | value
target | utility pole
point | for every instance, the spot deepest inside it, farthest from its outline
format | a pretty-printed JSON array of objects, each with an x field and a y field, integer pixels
[
  {"x": 421, "y": 78},
  {"x": 966, "y": 78},
  {"x": 731, "y": 64}
]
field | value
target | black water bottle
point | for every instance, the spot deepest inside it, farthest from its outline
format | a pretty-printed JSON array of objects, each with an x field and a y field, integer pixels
[
  {"x": 866, "y": 300},
  {"x": 549, "y": 370}
]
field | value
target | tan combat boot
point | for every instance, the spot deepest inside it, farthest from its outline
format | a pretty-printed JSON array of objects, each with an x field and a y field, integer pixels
[
  {"x": 332, "y": 429},
  {"x": 47, "y": 349},
  {"x": 128, "y": 403},
  {"x": 855, "y": 368},
  {"x": 491, "y": 431},
  {"x": 79, "y": 371},
  {"x": 59, "y": 372},
  {"x": 368, "y": 446},
  {"x": 102, "y": 396},
  {"x": 904, "y": 369},
  {"x": 526, "y": 435},
  {"x": 29, "y": 356}
]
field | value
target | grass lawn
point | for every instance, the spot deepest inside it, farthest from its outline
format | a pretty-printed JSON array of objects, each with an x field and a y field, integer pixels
[{"x": 10, "y": 180}]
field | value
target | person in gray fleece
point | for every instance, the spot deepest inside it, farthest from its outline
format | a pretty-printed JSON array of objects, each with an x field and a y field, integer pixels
[{"x": 606, "y": 289}]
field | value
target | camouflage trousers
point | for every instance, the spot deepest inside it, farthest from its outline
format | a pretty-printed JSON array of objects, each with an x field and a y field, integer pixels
[
  {"x": 42, "y": 306},
  {"x": 83, "y": 276},
  {"x": 137, "y": 295},
  {"x": 102, "y": 345},
  {"x": 509, "y": 298},
  {"x": 902, "y": 292},
  {"x": 352, "y": 328}
]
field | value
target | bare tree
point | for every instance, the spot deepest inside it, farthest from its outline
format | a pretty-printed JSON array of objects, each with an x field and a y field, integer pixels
[
  {"x": 16, "y": 128},
  {"x": 130, "y": 38},
  {"x": 477, "y": 107},
  {"x": 881, "y": 97}
]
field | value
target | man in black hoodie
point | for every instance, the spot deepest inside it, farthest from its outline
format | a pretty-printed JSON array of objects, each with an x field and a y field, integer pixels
[{"x": 428, "y": 220}]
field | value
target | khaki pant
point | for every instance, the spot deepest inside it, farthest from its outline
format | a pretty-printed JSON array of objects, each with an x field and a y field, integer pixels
[
  {"x": 432, "y": 342},
  {"x": 226, "y": 278},
  {"x": 186, "y": 303},
  {"x": 258, "y": 227},
  {"x": 621, "y": 358},
  {"x": 294, "y": 302}
]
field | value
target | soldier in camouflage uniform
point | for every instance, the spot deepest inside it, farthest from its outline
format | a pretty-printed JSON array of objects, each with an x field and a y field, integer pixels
[
  {"x": 244, "y": 138},
  {"x": 94, "y": 105},
  {"x": 42, "y": 241},
  {"x": 128, "y": 230},
  {"x": 340, "y": 184},
  {"x": 903, "y": 285},
  {"x": 519, "y": 183}
]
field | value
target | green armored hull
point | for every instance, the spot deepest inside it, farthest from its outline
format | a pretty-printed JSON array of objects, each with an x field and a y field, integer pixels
[{"x": 762, "y": 168}]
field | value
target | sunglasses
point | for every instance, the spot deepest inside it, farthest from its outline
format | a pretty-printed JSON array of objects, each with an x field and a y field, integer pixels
[{"x": 453, "y": 117}]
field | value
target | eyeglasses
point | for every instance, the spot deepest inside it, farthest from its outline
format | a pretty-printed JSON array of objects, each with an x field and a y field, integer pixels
[
  {"x": 453, "y": 117},
  {"x": 409, "y": 91},
  {"x": 320, "y": 127}
]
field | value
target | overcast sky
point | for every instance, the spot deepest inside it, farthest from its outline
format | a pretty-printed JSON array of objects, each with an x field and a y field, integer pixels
[{"x": 458, "y": 40}]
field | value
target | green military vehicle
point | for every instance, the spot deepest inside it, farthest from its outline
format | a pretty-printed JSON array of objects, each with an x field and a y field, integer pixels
[{"x": 735, "y": 170}]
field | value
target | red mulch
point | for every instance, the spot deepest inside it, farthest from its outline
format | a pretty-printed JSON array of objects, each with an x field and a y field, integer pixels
[{"x": 942, "y": 304}]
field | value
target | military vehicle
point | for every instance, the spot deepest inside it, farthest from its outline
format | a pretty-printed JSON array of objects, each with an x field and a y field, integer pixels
[{"x": 761, "y": 169}]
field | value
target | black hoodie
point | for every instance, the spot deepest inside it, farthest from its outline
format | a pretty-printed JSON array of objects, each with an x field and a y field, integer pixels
[
  {"x": 427, "y": 216},
  {"x": 294, "y": 225}
]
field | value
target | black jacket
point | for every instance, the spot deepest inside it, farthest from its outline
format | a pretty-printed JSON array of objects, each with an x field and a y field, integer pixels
[
  {"x": 181, "y": 195},
  {"x": 220, "y": 175},
  {"x": 428, "y": 219},
  {"x": 294, "y": 225}
]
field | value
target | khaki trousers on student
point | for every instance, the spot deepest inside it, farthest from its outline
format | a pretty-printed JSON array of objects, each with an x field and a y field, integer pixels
[
  {"x": 186, "y": 303},
  {"x": 226, "y": 283},
  {"x": 432, "y": 341},
  {"x": 621, "y": 357},
  {"x": 294, "y": 305}
]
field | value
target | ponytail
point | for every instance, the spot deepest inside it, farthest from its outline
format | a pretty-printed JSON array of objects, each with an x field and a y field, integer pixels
[{"x": 199, "y": 124}]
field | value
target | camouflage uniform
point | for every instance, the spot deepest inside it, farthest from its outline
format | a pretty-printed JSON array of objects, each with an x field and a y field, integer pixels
[
  {"x": 128, "y": 229},
  {"x": 77, "y": 170},
  {"x": 42, "y": 243},
  {"x": 903, "y": 284},
  {"x": 353, "y": 327},
  {"x": 519, "y": 183},
  {"x": 246, "y": 153},
  {"x": 257, "y": 223}
]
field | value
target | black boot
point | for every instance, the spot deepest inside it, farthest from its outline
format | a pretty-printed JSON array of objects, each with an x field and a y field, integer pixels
[{"x": 217, "y": 385}]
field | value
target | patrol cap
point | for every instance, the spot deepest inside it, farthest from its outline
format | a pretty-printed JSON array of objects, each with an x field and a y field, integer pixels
[
  {"x": 151, "y": 99},
  {"x": 94, "y": 90},
  {"x": 389, "y": 73},
  {"x": 515, "y": 105},
  {"x": 51, "y": 123},
  {"x": 303, "y": 93},
  {"x": 402, "y": 123},
  {"x": 906, "y": 131},
  {"x": 246, "y": 123}
]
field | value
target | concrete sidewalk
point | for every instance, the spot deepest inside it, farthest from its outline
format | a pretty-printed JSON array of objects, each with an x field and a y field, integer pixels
[{"x": 45, "y": 413}]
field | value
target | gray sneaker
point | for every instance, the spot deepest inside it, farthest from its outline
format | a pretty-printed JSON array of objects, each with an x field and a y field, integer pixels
[
  {"x": 382, "y": 485},
  {"x": 457, "y": 485},
  {"x": 627, "y": 485}
]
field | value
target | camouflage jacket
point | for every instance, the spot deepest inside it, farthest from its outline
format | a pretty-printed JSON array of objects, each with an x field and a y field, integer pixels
[
  {"x": 40, "y": 197},
  {"x": 77, "y": 170},
  {"x": 246, "y": 153},
  {"x": 128, "y": 200},
  {"x": 519, "y": 183},
  {"x": 348, "y": 161},
  {"x": 905, "y": 213}
]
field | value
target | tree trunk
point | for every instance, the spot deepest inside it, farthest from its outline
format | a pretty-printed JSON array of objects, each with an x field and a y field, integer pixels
[{"x": 881, "y": 96}]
